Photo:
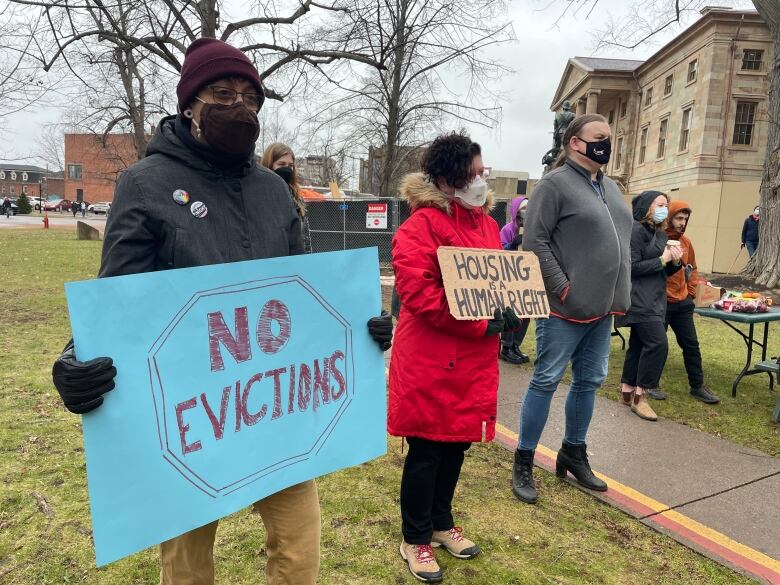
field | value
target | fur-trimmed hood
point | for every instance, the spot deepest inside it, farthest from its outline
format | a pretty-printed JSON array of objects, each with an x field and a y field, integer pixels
[{"x": 419, "y": 192}]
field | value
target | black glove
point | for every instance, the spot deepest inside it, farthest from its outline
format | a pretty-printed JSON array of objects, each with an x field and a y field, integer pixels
[
  {"x": 511, "y": 321},
  {"x": 517, "y": 243},
  {"x": 82, "y": 384},
  {"x": 381, "y": 330},
  {"x": 496, "y": 325}
]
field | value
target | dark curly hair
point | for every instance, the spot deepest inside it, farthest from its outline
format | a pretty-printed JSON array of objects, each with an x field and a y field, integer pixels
[{"x": 449, "y": 157}]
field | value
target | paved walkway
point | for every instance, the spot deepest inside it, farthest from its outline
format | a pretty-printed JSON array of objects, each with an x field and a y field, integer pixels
[{"x": 716, "y": 497}]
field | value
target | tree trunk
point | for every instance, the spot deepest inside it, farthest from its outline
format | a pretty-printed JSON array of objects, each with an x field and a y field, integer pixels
[
  {"x": 389, "y": 159},
  {"x": 765, "y": 264},
  {"x": 208, "y": 18}
]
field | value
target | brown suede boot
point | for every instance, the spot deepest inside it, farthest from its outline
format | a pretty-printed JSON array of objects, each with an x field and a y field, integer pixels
[
  {"x": 422, "y": 562},
  {"x": 640, "y": 406},
  {"x": 455, "y": 543}
]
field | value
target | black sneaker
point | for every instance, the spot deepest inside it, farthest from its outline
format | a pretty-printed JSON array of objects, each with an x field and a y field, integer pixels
[
  {"x": 655, "y": 393},
  {"x": 705, "y": 395},
  {"x": 510, "y": 357}
]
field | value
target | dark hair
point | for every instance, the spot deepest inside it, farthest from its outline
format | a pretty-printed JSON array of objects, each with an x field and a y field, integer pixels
[
  {"x": 450, "y": 157},
  {"x": 573, "y": 129}
]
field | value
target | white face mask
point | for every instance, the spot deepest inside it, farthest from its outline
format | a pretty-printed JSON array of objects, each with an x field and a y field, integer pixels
[{"x": 475, "y": 193}]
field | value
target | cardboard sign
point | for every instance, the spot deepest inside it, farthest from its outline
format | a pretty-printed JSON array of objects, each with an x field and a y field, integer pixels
[
  {"x": 706, "y": 295},
  {"x": 478, "y": 282},
  {"x": 237, "y": 381},
  {"x": 376, "y": 216}
]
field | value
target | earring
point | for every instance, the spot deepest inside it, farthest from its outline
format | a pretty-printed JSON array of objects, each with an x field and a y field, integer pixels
[{"x": 187, "y": 113}]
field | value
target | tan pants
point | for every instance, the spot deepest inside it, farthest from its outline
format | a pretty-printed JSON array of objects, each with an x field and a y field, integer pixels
[{"x": 292, "y": 523}]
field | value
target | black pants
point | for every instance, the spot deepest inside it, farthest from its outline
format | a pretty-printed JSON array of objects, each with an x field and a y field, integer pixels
[
  {"x": 680, "y": 317},
  {"x": 431, "y": 472},
  {"x": 646, "y": 355},
  {"x": 510, "y": 338}
]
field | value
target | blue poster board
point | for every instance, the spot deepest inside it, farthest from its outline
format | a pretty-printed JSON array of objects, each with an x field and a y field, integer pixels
[{"x": 233, "y": 382}]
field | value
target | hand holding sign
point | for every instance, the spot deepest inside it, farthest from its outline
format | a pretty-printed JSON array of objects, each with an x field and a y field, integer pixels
[{"x": 480, "y": 282}]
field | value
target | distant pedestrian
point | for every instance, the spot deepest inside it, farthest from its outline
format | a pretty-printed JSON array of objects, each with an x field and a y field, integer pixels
[
  {"x": 74, "y": 207},
  {"x": 7, "y": 207},
  {"x": 83, "y": 209},
  {"x": 512, "y": 239},
  {"x": 750, "y": 232}
]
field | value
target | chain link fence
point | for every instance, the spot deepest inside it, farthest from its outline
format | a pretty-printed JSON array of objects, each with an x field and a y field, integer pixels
[{"x": 360, "y": 223}]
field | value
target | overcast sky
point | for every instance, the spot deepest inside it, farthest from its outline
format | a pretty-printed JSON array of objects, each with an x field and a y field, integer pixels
[{"x": 537, "y": 58}]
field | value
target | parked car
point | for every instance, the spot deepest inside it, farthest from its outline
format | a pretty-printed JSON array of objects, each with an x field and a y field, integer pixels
[
  {"x": 100, "y": 207},
  {"x": 57, "y": 204},
  {"x": 37, "y": 203}
]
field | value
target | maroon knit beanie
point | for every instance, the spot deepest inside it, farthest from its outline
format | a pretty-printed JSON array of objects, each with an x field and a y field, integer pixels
[{"x": 207, "y": 60}]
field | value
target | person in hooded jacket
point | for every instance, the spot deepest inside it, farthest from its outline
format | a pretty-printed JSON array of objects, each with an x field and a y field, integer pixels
[
  {"x": 750, "y": 231},
  {"x": 512, "y": 239},
  {"x": 199, "y": 198},
  {"x": 280, "y": 159},
  {"x": 680, "y": 292},
  {"x": 652, "y": 261},
  {"x": 443, "y": 372}
]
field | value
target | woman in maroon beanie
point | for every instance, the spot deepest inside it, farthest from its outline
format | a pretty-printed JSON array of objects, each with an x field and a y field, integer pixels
[{"x": 198, "y": 198}]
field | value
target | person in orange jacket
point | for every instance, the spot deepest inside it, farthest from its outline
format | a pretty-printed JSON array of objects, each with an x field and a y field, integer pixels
[{"x": 680, "y": 292}]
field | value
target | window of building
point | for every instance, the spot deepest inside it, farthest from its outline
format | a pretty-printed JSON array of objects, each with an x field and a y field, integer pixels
[
  {"x": 2, "y": 175},
  {"x": 24, "y": 176},
  {"x": 643, "y": 145},
  {"x": 743, "y": 123},
  {"x": 24, "y": 189},
  {"x": 693, "y": 68},
  {"x": 13, "y": 175},
  {"x": 619, "y": 160},
  {"x": 668, "y": 85},
  {"x": 74, "y": 171},
  {"x": 611, "y": 117},
  {"x": 623, "y": 109},
  {"x": 648, "y": 96},
  {"x": 662, "y": 138},
  {"x": 751, "y": 59},
  {"x": 12, "y": 189},
  {"x": 2, "y": 189},
  {"x": 685, "y": 129}
]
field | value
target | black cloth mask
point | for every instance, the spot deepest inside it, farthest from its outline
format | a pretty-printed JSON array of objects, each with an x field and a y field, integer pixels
[
  {"x": 285, "y": 173},
  {"x": 232, "y": 129},
  {"x": 598, "y": 151}
]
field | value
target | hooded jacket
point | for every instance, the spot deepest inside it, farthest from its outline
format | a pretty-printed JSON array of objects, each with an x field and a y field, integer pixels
[
  {"x": 509, "y": 231},
  {"x": 443, "y": 372},
  {"x": 249, "y": 214},
  {"x": 678, "y": 288},
  {"x": 648, "y": 273},
  {"x": 750, "y": 229},
  {"x": 581, "y": 237}
]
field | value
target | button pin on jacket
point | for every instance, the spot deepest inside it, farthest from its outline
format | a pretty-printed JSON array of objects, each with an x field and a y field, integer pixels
[
  {"x": 199, "y": 209},
  {"x": 181, "y": 197}
]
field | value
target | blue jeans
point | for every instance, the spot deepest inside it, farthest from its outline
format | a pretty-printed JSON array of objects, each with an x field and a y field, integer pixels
[
  {"x": 559, "y": 341},
  {"x": 751, "y": 247}
]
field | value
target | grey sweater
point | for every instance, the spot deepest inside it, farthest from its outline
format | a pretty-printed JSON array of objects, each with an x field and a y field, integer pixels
[{"x": 582, "y": 240}]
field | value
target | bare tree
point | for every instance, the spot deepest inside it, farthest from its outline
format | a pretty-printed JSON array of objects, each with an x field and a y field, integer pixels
[
  {"x": 644, "y": 20},
  {"x": 436, "y": 70}
]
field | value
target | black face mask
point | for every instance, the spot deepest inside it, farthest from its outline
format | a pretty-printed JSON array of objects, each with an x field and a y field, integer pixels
[
  {"x": 232, "y": 129},
  {"x": 285, "y": 173},
  {"x": 598, "y": 151}
]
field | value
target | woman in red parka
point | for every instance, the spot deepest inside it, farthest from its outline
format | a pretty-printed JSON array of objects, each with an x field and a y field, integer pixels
[{"x": 443, "y": 372}]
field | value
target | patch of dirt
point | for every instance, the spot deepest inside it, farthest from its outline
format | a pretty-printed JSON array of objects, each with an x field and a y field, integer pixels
[
  {"x": 741, "y": 283},
  {"x": 20, "y": 315}
]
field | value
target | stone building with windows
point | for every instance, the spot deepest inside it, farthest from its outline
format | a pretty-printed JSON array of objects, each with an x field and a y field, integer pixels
[
  {"x": 16, "y": 180},
  {"x": 694, "y": 113}
]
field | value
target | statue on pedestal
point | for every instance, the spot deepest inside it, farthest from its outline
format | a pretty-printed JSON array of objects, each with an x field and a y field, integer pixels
[{"x": 562, "y": 121}]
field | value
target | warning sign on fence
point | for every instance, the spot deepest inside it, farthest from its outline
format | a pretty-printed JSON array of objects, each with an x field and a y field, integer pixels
[
  {"x": 376, "y": 216},
  {"x": 477, "y": 282}
]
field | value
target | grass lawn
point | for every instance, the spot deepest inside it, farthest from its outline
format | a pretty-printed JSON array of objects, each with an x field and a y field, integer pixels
[{"x": 569, "y": 537}]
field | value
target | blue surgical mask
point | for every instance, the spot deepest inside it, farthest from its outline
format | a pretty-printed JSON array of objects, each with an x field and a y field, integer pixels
[{"x": 660, "y": 214}]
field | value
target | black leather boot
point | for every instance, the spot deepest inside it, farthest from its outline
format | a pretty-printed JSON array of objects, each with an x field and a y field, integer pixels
[
  {"x": 522, "y": 476},
  {"x": 510, "y": 356},
  {"x": 574, "y": 458}
]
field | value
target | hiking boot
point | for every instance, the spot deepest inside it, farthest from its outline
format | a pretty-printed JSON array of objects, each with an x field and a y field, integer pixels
[
  {"x": 574, "y": 459},
  {"x": 523, "y": 356},
  {"x": 455, "y": 543},
  {"x": 422, "y": 562},
  {"x": 522, "y": 476},
  {"x": 656, "y": 393},
  {"x": 641, "y": 408},
  {"x": 704, "y": 394},
  {"x": 510, "y": 356}
]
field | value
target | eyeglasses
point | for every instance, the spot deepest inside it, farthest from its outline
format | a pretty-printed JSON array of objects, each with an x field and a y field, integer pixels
[{"x": 227, "y": 97}]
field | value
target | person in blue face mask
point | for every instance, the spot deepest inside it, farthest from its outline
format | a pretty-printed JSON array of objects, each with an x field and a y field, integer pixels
[{"x": 653, "y": 258}]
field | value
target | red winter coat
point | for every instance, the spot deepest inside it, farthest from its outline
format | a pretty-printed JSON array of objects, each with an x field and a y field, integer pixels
[{"x": 443, "y": 372}]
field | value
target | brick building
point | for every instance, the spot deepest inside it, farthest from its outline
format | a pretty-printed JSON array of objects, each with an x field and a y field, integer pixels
[
  {"x": 18, "y": 179},
  {"x": 92, "y": 165},
  {"x": 693, "y": 113},
  {"x": 371, "y": 168}
]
